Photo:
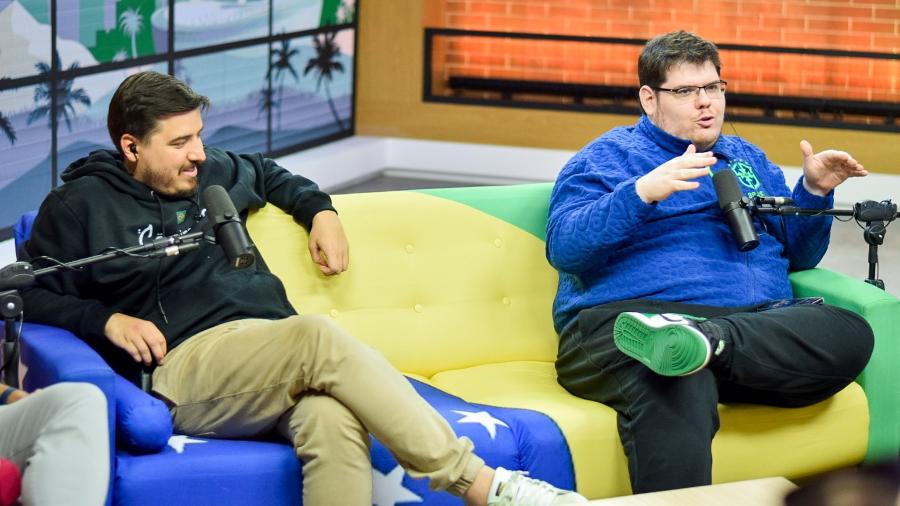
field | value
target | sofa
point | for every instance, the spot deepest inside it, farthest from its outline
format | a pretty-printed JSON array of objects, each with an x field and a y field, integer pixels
[{"x": 452, "y": 285}]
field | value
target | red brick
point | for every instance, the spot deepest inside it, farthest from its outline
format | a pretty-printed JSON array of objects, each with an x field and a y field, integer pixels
[
  {"x": 568, "y": 10},
  {"x": 885, "y": 96},
  {"x": 887, "y": 13},
  {"x": 635, "y": 29},
  {"x": 587, "y": 27},
  {"x": 760, "y": 88},
  {"x": 856, "y": 66},
  {"x": 525, "y": 61},
  {"x": 886, "y": 43},
  {"x": 529, "y": 10},
  {"x": 488, "y": 60},
  {"x": 760, "y": 36},
  {"x": 686, "y": 20},
  {"x": 455, "y": 6},
  {"x": 467, "y": 21},
  {"x": 830, "y": 10},
  {"x": 807, "y": 39},
  {"x": 874, "y": 2},
  {"x": 454, "y": 58},
  {"x": 794, "y": 22},
  {"x": 880, "y": 82},
  {"x": 888, "y": 26},
  {"x": 467, "y": 45},
  {"x": 488, "y": 8},
  {"x": 762, "y": 7},
  {"x": 624, "y": 67},
  {"x": 827, "y": 24}
]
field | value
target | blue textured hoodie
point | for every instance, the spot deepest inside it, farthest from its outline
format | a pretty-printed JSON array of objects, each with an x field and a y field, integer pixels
[{"x": 608, "y": 245}]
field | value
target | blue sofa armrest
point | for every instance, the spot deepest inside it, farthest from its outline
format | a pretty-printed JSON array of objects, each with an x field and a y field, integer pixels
[{"x": 138, "y": 421}]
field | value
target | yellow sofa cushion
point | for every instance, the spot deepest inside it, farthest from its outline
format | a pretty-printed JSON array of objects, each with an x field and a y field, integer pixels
[
  {"x": 433, "y": 284},
  {"x": 753, "y": 442}
]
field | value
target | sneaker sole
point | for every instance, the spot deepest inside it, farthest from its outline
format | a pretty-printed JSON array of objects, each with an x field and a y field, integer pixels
[{"x": 672, "y": 350}]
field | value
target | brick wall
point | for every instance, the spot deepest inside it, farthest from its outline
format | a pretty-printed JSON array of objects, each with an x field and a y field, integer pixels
[{"x": 857, "y": 25}]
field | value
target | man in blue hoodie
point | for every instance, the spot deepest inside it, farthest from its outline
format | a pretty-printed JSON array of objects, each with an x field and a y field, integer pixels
[{"x": 660, "y": 316}]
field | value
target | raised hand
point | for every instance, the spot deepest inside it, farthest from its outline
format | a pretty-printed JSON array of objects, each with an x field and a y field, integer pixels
[
  {"x": 674, "y": 175},
  {"x": 823, "y": 172}
]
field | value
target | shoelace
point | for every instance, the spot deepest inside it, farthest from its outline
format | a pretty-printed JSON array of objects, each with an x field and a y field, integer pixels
[{"x": 520, "y": 490}]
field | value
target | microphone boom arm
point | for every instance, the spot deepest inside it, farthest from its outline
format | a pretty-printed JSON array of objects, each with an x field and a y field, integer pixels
[
  {"x": 19, "y": 275},
  {"x": 874, "y": 214}
]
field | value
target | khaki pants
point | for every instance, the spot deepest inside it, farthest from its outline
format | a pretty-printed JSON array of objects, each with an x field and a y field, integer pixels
[{"x": 323, "y": 390}]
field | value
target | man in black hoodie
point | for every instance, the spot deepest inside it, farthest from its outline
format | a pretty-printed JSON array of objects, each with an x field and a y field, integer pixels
[{"x": 233, "y": 357}]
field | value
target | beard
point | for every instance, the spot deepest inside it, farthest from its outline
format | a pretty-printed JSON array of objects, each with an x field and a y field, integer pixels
[{"x": 164, "y": 184}]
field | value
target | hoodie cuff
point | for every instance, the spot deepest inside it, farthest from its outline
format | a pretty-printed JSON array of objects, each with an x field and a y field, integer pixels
[
  {"x": 93, "y": 323},
  {"x": 313, "y": 207},
  {"x": 803, "y": 198}
]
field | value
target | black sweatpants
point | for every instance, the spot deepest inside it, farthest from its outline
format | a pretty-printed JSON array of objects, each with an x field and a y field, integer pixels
[{"x": 793, "y": 356}]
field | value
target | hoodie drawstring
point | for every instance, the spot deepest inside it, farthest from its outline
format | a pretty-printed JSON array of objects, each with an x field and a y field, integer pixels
[{"x": 162, "y": 230}]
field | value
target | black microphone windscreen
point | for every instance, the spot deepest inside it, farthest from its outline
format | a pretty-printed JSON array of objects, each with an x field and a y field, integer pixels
[
  {"x": 218, "y": 203},
  {"x": 229, "y": 231},
  {"x": 727, "y": 188}
]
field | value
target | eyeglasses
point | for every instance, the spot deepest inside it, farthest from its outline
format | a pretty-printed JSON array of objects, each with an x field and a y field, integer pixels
[{"x": 713, "y": 90}]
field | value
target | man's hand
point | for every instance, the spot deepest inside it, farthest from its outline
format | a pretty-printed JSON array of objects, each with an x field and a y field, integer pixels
[
  {"x": 674, "y": 175},
  {"x": 328, "y": 243},
  {"x": 140, "y": 338},
  {"x": 823, "y": 172}
]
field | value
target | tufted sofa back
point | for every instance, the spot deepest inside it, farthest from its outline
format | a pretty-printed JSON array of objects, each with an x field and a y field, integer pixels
[{"x": 438, "y": 279}]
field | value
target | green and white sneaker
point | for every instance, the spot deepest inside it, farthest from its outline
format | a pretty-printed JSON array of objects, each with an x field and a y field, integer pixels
[
  {"x": 514, "y": 488},
  {"x": 669, "y": 344}
]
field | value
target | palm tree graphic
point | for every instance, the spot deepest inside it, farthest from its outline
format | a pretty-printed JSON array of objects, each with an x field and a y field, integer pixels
[
  {"x": 266, "y": 101},
  {"x": 282, "y": 62},
  {"x": 66, "y": 96},
  {"x": 7, "y": 128},
  {"x": 131, "y": 22},
  {"x": 324, "y": 63}
]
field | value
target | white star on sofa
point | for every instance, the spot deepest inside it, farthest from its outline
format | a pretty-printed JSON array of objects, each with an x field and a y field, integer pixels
[
  {"x": 178, "y": 441},
  {"x": 388, "y": 489},
  {"x": 482, "y": 418}
]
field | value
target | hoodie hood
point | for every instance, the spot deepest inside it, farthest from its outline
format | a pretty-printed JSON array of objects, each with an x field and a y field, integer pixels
[{"x": 109, "y": 166}]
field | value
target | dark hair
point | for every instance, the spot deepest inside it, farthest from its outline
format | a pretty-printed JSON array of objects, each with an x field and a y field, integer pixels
[
  {"x": 145, "y": 98},
  {"x": 665, "y": 51}
]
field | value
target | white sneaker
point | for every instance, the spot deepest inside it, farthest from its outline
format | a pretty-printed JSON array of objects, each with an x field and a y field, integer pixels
[{"x": 514, "y": 488}]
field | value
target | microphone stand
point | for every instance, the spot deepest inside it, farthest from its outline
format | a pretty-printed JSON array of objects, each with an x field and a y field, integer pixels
[
  {"x": 18, "y": 275},
  {"x": 873, "y": 214}
]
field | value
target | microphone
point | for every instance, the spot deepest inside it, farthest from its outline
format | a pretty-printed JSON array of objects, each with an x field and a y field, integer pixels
[
  {"x": 230, "y": 234},
  {"x": 731, "y": 203}
]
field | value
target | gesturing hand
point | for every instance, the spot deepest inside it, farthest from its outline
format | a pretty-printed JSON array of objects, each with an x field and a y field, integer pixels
[
  {"x": 674, "y": 175},
  {"x": 328, "y": 243},
  {"x": 823, "y": 172},
  {"x": 140, "y": 338}
]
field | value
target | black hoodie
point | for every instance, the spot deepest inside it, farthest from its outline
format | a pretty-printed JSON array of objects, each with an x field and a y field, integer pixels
[{"x": 101, "y": 205}]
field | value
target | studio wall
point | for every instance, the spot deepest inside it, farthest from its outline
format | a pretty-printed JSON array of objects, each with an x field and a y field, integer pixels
[{"x": 391, "y": 75}]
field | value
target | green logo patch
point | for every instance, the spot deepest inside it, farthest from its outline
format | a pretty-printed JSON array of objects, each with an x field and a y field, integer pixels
[
  {"x": 180, "y": 216},
  {"x": 745, "y": 174}
]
